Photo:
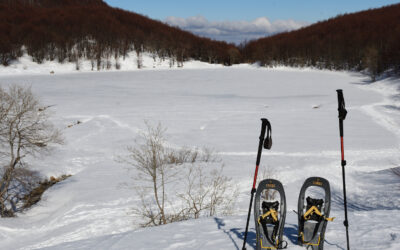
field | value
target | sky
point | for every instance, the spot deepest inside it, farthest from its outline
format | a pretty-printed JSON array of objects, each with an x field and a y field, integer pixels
[{"x": 239, "y": 20}]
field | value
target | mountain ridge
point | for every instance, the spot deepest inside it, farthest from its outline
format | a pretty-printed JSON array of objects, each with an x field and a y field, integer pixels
[
  {"x": 368, "y": 39},
  {"x": 71, "y": 30}
]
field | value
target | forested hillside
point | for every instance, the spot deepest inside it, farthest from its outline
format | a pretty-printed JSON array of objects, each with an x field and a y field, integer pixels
[
  {"x": 70, "y": 30},
  {"x": 90, "y": 29},
  {"x": 368, "y": 39}
]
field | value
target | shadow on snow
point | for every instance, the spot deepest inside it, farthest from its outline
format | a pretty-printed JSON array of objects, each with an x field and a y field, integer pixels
[
  {"x": 251, "y": 236},
  {"x": 290, "y": 231}
]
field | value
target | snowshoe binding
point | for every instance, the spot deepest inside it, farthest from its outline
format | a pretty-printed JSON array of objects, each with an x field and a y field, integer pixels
[
  {"x": 270, "y": 214},
  {"x": 313, "y": 214}
]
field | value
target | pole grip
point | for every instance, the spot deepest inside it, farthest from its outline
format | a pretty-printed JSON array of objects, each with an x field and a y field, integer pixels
[
  {"x": 264, "y": 124},
  {"x": 342, "y": 110},
  {"x": 341, "y": 105}
]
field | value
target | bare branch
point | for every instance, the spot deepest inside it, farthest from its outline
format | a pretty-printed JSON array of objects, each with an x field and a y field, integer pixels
[
  {"x": 204, "y": 189},
  {"x": 25, "y": 130}
]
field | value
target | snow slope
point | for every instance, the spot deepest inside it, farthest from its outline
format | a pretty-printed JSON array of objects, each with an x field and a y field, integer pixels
[
  {"x": 219, "y": 108},
  {"x": 26, "y": 66}
]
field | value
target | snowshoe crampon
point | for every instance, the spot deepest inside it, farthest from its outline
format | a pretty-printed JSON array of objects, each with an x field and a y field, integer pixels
[
  {"x": 313, "y": 213},
  {"x": 269, "y": 214}
]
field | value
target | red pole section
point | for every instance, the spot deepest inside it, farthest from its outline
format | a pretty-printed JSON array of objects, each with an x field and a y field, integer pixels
[
  {"x": 255, "y": 178},
  {"x": 341, "y": 146}
]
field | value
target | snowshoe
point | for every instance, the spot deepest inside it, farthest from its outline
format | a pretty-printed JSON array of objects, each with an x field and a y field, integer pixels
[
  {"x": 313, "y": 214},
  {"x": 270, "y": 214}
]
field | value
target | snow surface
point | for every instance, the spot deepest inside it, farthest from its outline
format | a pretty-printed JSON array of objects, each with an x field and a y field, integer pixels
[
  {"x": 26, "y": 66},
  {"x": 218, "y": 107}
]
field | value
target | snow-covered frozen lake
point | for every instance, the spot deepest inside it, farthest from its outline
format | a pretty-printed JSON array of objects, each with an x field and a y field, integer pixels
[{"x": 218, "y": 108}]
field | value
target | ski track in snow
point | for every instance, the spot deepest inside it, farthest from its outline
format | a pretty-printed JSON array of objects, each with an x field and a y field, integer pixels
[{"x": 92, "y": 211}]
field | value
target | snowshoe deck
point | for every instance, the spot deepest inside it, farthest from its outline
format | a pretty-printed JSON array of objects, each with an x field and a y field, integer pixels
[
  {"x": 313, "y": 214},
  {"x": 270, "y": 214}
]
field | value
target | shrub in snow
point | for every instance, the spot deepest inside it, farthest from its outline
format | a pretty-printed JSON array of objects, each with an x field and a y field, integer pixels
[
  {"x": 206, "y": 191},
  {"x": 177, "y": 184}
]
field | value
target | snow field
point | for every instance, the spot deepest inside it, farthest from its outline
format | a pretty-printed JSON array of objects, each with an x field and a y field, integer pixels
[{"x": 218, "y": 108}]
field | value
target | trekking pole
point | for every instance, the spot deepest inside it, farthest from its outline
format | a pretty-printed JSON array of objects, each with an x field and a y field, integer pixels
[
  {"x": 268, "y": 143},
  {"x": 342, "y": 115}
]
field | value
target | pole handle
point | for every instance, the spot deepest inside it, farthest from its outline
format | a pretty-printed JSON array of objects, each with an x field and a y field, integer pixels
[
  {"x": 264, "y": 124},
  {"x": 268, "y": 138},
  {"x": 341, "y": 105}
]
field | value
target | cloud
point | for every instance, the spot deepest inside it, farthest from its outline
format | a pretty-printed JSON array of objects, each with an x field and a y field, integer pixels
[{"x": 234, "y": 31}]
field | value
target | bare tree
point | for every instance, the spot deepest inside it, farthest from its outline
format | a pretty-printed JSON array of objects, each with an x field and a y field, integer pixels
[
  {"x": 206, "y": 190},
  {"x": 150, "y": 160},
  {"x": 201, "y": 185},
  {"x": 3, "y": 106},
  {"x": 371, "y": 62},
  {"x": 195, "y": 192},
  {"x": 24, "y": 131}
]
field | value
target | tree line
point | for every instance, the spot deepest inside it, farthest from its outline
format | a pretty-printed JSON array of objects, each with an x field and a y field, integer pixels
[
  {"x": 70, "y": 30},
  {"x": 364, "y": 40}
]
